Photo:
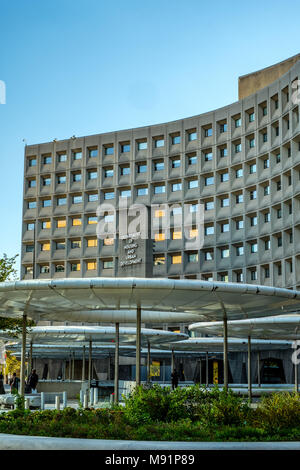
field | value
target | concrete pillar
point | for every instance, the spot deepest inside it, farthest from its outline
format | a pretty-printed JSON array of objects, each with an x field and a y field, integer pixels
[
  {"x": 27, "y": 403},
  {"x": 42, "y": 400},
  {"x": 85, "y": 400},
  {"x": 23, "y": 354},
  {"x": 83, "y": 364},
  {"x": 148, "y": 361},
  {"x": 206, "y": 371},
  {"x": 65, "y": 400},
  {"x": 90, "y": 364},
  {"x": 296, "y": 378},
  {"x": 96, "y": 396},
  {"x": 258, "y": 368},
  {"x": 91, "y": 396},
  {"x": 57, "y": 402},
  {"x": 225, "y": 354},
  {"x": 249, "y": 370},
  {"x": 116, "y": 378},
  {"x": 138, "y": 346}
]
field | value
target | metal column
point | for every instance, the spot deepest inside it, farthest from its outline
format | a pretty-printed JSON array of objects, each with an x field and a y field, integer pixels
[
  {"x": 206, "y": 371},
  {"x": 296, "y": 377},
  {"x": 173, "y": 361},
  {"x": 258, "y": 368},
  {"x": 73, "y": 365},
  {"x": 23, "y": 354},
  {"x": 90, "y": 363},
  {"x": 83, "y": 364},
  {"x": 148, "y": 362},
  {"x": 200, "y": 371},
  {"x": 30, "y": 358},
  {"x": 249, "y": 370},
  {"x": 116, "y": 386},
  {"x": 225, "y": 353},
  {"x": 138, "y": 346}
]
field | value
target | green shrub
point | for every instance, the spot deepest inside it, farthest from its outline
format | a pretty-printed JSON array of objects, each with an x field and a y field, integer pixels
[
  {"x": 278, "y": 411},
  {"x": 147, "y": 404}
]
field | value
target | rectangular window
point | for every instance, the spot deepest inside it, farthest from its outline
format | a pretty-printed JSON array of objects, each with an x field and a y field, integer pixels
[
  {"x": 176, "y": 187},
  {"x": 224, "y": 177},
  {"x": 238, "y": 148},
  {"x": 125, "y": 170},
  {"x": 223, "y": 152},
  {"x": 92, "y": 220},
  {"x": 176, "y": 259},
  {"x": 108, "y": 172},
  {"x": 224, "y": 253},
  {"x": 193, "y": 184},
  {"x": 266, "y": 163},
  {"x": 239, "y": 224},
  {"x": 176, "y": 162},
  {"x": 238, "y": 122},
  {"x": 62, "y": 157},
  {"x": 251, "y": 117},
  {"x": 267, "y": 217},
  {"x": 76, "y": 199},
  {"x": 76, "y": 221},
  {"x": 108, "y": 264},
  {"x": 125, "y": 148},
  {"x": 47, "y": 160},
  {"x": 158, "y": 166},
  {"x": 224, "y": 228},
  {"x": 192, "y": 136},
  {"x": 109, "y": 195},
  {"x": 92, "y": 175},
  {"x": 159, "y": 236},
  {"x": 209, "y": 180},
  {"x": 159, "y": 260},
  {"x": 142, "y": 168},
  {"x": 239, "y": 198},
  {"x": 252, "y": 169},
  {"x": 108, "y": 241},
  {"x": 208, "y": 156},
  {"x": 253, "y": 248},
  {"x": 225, "y": 202},
  {"x": 193, "y": 257},
  {"x": 76, "y": 177},
  {"x": 176, "y": 139},
  {"x": 109, "y": 150},
  {"x": 209, "y": 205},
  {"x": 29, "y": 248},
  {"x": 223, "y": 128},
  {"x": 60, "y": 245},
  {"x": 31, "y": 162},
  {"x": 61, "y": 201},
  {"x": 92, "y": 197},
  {"x": 93, "y": 153},
  {"x": 46, "y": 181},
  {"x": 46, "y": 203},
  {"x": 208, "y": 132},
  {"x": 91, "y": 265},
  {"x": 176, "y": 234},
  {"x": 239, "y": 250},
  {"x": 61, "y": 179},
  {"x": 46, "y": 224},
  {"x": 31, "y": 183},
  {"x": 31, "y": 205},
  {"x": 209, "y": 230},
  {"x": 159, "y": 189},
  {"x": 142, "y": 145},
  {"x": 75, "y": 267},
  {"x": 61, "y": 223},
  {"x": 92, "y": 242},
  {"x": 192, "y": 160},
  {"x": 45, "y": 246},
  {"x": 59, "y": 268},
  {"x": 125, "y": 193},
  {"x": 142, "y": 191},
  {"x": 75, "y": 244},
  {"x": 159, "y": 143},
  {"x": 77, "y": 155}
]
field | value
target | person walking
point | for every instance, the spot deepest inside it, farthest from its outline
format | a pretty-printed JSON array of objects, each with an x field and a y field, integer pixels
[
  {"x": 14, "y": 384},
  {"x": 174, "y": 377},
  {"x": 2, "y": 390},
  {"x": 33, "y": 380}
]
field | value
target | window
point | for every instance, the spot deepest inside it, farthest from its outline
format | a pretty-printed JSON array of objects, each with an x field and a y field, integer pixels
[
  {"x": 239, "y": 277},
  {"x": 159, "y": 260},
  {"x": 76, "y": 221},
  {"x": 31, "y": 204},
  {"x": 44, "y": 269},
  {"x": 266, "y": 190},
  {"x": 239, "y": 198},
  {"x": 252, "y": 168},
  {"x": 28, "y": 269},
  {"x": 159, "y": 189},
  {"x": 75, "y": 244},
  {"x": 109, "y": 195},
  {"x": 125, "y": 170},
  {"x": 92, "y": 175},
  {"x": 239, "y": 250},
  {"x": 29, "y": 248},
  {"x": 223, "y": 128},
  {"x": 253, "y": 275},
  {"x": 253, "y": 221},
  {"x": 239, "y": 224},
  {"x": 176, "y": 234},
  {"x": 76, "y": 199},
  {"x": 159, "y": 165},
  {"x": 193, "y": 184},
  {"x": 46, "y": 224},
  {"x": 278, "y": 158},
  {"x": 224, "y": 177},
  {"x": 77, "y": 155},
  {"x": 267, "y": 273},
  {"x": 192, "y": 136},
  {"x": 125, "y": 193},
  {"x": 92, "y": 219},
  {"x": 267, "y": 245},
  {"x": 252, "y": 143},
  {"x": 175, "y": 139},
  {"x": 92, "y": 242},
  {"x": 253, "y": 194},
  {"x": 47, "y": 160},
  {"x": 60, "y": 223},
  {"x": 61, "y": 179},
  {"x": 75, "y": 267},
  {"x": 238, "y": 122},
  {"x": 208, "y": 256},
  {"x": 45, "y": 246},
  {"x": 60, "y": 245},
  {"x": 224, "y": 277},
  {"x": 265, "y": 137},
  {"x": 109, "y": 150},
  {"x": 267, "y": 217},
  {"x": 31, "y": 162},
  {"x": 61, "y": 201},
  {"x": 108, "y": 241},
  {"x": 125, "y": 148},
  {"x": 265, "y": 110},
  {"x": 208, "y": 156},
  {"x": 193, "y": 207},
  {"x": 192, "y": 159},
  {"x": 238, "y": 148},
  {"x": 279, "y": 213},
  {"x": 142, "y": 145},
  {"x": 62, "y": 157},
  {"x": 46, "y": 181},
  {"x": 266, "y": 163},
  {"x": 239, "y": 173},
  {"x": 225, "y": 227},
  {"x": 175, "y": 162},
  {"x": 176, "y": 259},
  {"x": 176, "y": 187},
  {"x": 251, "y": 117},
  {"x": 209, "y": 180},
  {"x": 76, "y": 177},
  {"x": 253, "y": 247},
  {"x": 141, "y": 167},
  {"x": 279, "y": 241},
  {"x": 59, "y": 268},
  {"x": 209, "y": 230},
  {"x": 108, "y": 172},
  {"x": 31, "y": 183},
  {"x": 91, "y": 265},
  {"x": 193, "y": 257},
  {"x": 108, "y": 264},
  {"x": 278, "y": 185},
  {"x": 225, "y": 202},
  {"x": 208, "y": 132},
  {"x": 209, "y": 205},
  {"x": 224, "y": 253},
  {"x": 46, "y": 203},
  {"x": 93, "y": 153},
  {"x": 142, "y": 191},
  {"x": 159, "y": 236},
  {"x": 92, "y": 197},
  {"x": 159, "y": 143},
  {"x": 223, "y": 152}
]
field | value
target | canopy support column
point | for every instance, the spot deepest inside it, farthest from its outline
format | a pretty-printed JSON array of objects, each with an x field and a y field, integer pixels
[
  {"x": 258, "y": 369},
  {"x": 73, "y": 365},
  {"x": 206, "y": 369},
  {"x": 90, "y": 363},
  {"x": 30, "y": 358},
  {"x": 173, "y": 361},
  {"x": 296, "y": 377},
  {"x": 117, "y": 341},
  {"x": 83, "y": 364},
  {"x": 138, "y": 346},
  {"x": 225, "y": 353},
  {"x": 200, "y": 371},
  {"x": 70, "y": 366},
  {"x": 23, "y": 353},
  {"x": 148, "y": 362},
  {"x": 249, "y": 370}
]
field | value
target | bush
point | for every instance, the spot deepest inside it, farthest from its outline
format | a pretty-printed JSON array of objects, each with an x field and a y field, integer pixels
[
  {"x": 147, "y": 404},
  {"x": 278, "y": 411}
]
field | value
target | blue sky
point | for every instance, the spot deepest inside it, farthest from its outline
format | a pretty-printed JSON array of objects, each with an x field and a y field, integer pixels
[{"x": 89, "y": 66}]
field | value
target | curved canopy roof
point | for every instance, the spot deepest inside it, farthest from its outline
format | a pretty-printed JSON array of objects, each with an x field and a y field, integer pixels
[
  {"x": 234, "y": 344},
  {"x": 103, "y": 334},
  {"x": 85, "y": 300},
  {"x": 281, "y": 327}
]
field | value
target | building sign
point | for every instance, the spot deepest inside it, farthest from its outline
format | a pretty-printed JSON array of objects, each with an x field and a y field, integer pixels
[{"x": 130, "y": 249}]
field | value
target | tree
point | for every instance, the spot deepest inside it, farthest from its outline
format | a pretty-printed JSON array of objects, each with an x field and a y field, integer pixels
[{"x": 8, "y": 272}]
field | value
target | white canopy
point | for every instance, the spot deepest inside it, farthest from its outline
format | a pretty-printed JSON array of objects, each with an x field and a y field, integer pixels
[
  {"x": 101, "y": 299},
  {"x": 234, "y": 344},
  {"x": 281, "y": 327}
]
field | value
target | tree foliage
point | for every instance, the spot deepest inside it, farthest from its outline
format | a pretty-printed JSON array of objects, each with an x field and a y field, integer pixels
[{"x": 7, "y": 268}]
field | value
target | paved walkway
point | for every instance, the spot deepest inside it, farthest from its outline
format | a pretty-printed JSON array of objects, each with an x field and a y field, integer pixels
[{"x": 13, "y": 442}]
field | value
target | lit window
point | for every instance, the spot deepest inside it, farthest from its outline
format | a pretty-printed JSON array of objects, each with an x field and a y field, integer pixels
[
  {"x": 159, "y": 260},
  {"x": 176, "y": 234},
  {"x": 61, "y": 223},
  {"x": 159, "y": 236},
  {"x": 76, "y": 221},
  {"x": 45, "y": 246},
  {"x": 109, "y": 241},
  {"x": 92, "y": 220},
  {"x": 193, "y": 233},
  {"x": 46, "y": 224},
  {"x": 92, "y": 242},
  {"x": 75, "y": 267},
  {"x": 159, "y": 213},
  {"x": 91, "y": 265},
  {"x": 176, "y": 259}
]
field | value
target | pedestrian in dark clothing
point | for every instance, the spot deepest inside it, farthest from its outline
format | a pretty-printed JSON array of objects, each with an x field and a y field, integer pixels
[
  {"x": 14, "y": 384},
  {"x": 33, "y": 380},
  {"x": 2, "y": 390},
  {"x": 174, "y": 377}
]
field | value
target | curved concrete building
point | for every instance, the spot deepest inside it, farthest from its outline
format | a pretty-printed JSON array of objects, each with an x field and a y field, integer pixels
[{"x": 241, "y": 163}]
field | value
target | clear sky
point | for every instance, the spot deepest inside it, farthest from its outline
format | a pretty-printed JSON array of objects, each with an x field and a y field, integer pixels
[{"x": 90, "y": 66}]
